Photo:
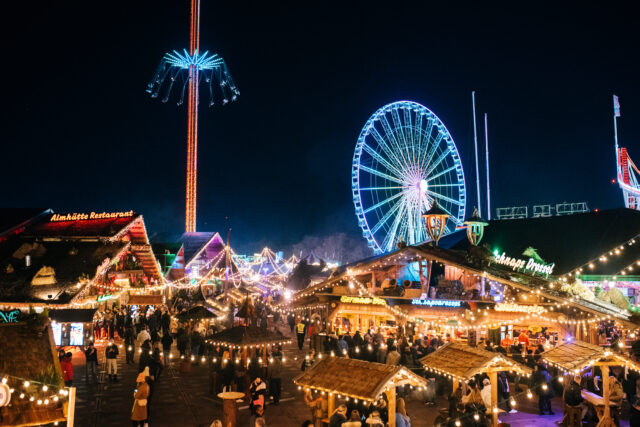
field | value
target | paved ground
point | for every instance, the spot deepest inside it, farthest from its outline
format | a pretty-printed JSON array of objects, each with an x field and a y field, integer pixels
[{"x": 184, "y": 400}]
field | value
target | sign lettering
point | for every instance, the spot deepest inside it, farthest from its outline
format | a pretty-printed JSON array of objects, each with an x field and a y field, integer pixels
[
  {"x": 363, "y": 300},
  {"x": 519, "y": 264},
  {"x": 436, "y": 302},
  {"x": 10, "y": 316},
  {"x": 92, "y": 215}
]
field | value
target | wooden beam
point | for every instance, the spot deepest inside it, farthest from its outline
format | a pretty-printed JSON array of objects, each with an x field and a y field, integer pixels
[
  {"x": 391, "y": 397},
  {"x": 493, "y": 377}
]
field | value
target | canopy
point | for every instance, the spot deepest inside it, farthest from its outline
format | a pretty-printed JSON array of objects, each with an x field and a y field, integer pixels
[
  {"x": 75, "y": 315},
  {"x": 356, "y": 378},
  {"x": 462, "y": 361},
  {"x": 145, "y": 300},
  {"x": 247, "y": 337},
  {"x": 575, "y": 355},
  {"x": 196, "y": 313}
]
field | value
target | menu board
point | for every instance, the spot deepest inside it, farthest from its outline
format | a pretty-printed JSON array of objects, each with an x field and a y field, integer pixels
[
  {"x": 57, "y": 333},
  {"x": 76, "y": 334}
]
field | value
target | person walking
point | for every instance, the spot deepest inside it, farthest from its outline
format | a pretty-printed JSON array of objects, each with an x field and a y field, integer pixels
[
  {"x": 275, "y": 377},
  {"x": 291, "y": 320},
  {"x": 67, "y": 369},
  {"x": 257, "y": 390},
  {"x": 300, "y": 333},
  {"x": 503, "y": 392},
  {"x": 542, "y": 383},
  {"x": 142, "y": 337},
  {"x": 111, "y": 354},
  {"x": 129, "y": 342},
  {"x": 91, "y": 360},
  {"x": 140, "y": 395},
  {"x": 166, "y": 346}
]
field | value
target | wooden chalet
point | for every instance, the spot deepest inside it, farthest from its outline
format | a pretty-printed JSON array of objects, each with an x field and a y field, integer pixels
[
  {"x": 76, "y": 260},
  {"x": 358, "y": 380},
  {"x": 461, "y": 362},
  {"x": 29, "y": 362}
]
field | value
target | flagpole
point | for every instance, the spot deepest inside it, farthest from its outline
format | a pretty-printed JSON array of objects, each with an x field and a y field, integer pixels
[{"x": 475, "y": 139}]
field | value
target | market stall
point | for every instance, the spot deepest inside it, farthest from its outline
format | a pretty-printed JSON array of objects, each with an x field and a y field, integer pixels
[
  {"x": 575, "y": 356},
  {"x": 461, "y": 362},
  {"x": 365, "y": 381},
  {"x": 73, "y": 327}
]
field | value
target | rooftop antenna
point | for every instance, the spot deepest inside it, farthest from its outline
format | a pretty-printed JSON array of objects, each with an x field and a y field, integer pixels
[
  {"x": 475, "y": 143},
  {"x": 486, "y": 149}
]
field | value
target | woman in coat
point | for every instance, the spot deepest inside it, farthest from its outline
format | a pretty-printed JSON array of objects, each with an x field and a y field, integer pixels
[{"x": 139, "y": 412}]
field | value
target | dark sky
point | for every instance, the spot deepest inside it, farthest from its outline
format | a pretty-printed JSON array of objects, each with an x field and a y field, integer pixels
[{"x": 80, "y": 133}]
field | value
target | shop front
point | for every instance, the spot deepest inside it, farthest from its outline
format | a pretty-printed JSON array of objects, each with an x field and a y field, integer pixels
[{"x": 351, "y": 314}]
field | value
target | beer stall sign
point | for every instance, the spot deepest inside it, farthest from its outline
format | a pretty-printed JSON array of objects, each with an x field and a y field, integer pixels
[
  {"x": 362, "y": 300},
  {"x": 531, "y": 265}
]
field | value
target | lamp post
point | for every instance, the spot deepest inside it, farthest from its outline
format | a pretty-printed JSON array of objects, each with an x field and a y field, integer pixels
[
  {"x": 436, "y": 219},
  {"x": 475, "y": 228}
]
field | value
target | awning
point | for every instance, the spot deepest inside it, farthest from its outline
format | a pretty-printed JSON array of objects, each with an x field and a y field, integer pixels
[
  {"x": 145, "y": 300},
  {"x": 73, "y": 315}
]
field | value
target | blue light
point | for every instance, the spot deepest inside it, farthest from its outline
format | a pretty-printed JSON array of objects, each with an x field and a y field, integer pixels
[
  {"x": 436, "y": 302},
  {"x": 210, "y": 68},
  {"x": 206, "y": 61}
]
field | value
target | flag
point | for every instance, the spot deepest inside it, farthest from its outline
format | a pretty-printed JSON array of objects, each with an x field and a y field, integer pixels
[{"x": 616, "y": 106}]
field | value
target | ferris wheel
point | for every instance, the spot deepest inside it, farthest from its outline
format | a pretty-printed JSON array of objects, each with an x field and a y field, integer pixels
[{"x": 404, "y": 160}]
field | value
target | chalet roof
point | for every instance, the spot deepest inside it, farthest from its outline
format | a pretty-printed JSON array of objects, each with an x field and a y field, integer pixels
[
  {"x": 569, "y": 241},
  {"x": 463, "y": 362},
  {"x": 195, "y": 242},
  {"x": 470, "y": 262},
  {"x": 14, "y": 219},
  {"x": 31, "y": 356},
  {"x": 75, "y": 315},
  {"x": 247, "y": 336},
  {"x": 145, "y": 300},
  {"x": 56, "y": 268},
  {"x": 88, "y": 228},
  {"x": 576, "y": 354},
  {"x": 197, "y": 312},
  {"x": 356, "y": 378}
]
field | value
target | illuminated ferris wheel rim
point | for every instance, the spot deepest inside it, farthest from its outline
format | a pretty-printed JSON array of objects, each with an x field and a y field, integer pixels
[{"x": 398, "y": 145}]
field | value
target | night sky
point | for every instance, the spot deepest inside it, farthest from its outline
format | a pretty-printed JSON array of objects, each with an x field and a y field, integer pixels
[{"x": 80, "y": 133}]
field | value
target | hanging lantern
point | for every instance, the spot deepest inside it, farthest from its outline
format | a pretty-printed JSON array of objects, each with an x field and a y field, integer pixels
[
  {"x": 475, "y": 228},
  {"x": 436, "y": 219}
]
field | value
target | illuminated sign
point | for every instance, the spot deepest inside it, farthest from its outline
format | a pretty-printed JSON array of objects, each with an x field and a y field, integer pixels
[
  {"x": 517, "y": 308},
  {"x": 436, "y": 302},
  {"x": 104, "y": 297},
  {"x": 520, "y": 264},
  {"x": 76, "y": 335},
  {"x": 9, "y": 316},
  {"x": 363, "y": 300},
  {"x": 57, "y": 332},
  {"x": 92, "y": 215}
]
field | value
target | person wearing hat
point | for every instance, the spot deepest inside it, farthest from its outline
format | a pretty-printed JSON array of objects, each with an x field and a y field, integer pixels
[{"x": 139, "y": 412}]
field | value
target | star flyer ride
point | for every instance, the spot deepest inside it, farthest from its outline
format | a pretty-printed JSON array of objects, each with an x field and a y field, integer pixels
[
  {"x": 626, "y": 169},
  {"x": 404, "y": 161}
]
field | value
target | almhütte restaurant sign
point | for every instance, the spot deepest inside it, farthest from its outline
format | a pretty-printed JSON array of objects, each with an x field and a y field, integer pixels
[{"x": 92, "y": 215}]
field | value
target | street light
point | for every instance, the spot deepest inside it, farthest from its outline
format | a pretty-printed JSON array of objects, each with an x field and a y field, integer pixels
[{"x": 436, "y": 219}]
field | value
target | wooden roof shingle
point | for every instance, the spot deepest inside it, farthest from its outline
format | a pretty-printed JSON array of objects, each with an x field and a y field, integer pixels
[
  {"x": 356, "y": 378},
  {"x": 462, "y": 361},
  {"x": 577, "y": 354}
]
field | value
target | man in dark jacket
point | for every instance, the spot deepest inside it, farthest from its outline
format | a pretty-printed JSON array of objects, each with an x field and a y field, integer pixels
[
  {"x": 129, "y": 342},
  {"x": 91, "y": 355},
  {"x": 166, "y": 346},
  {"x": 573, "y": 395},
  {"x": 111, "y": 354},
  {"x": 542, "y": 383}
]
